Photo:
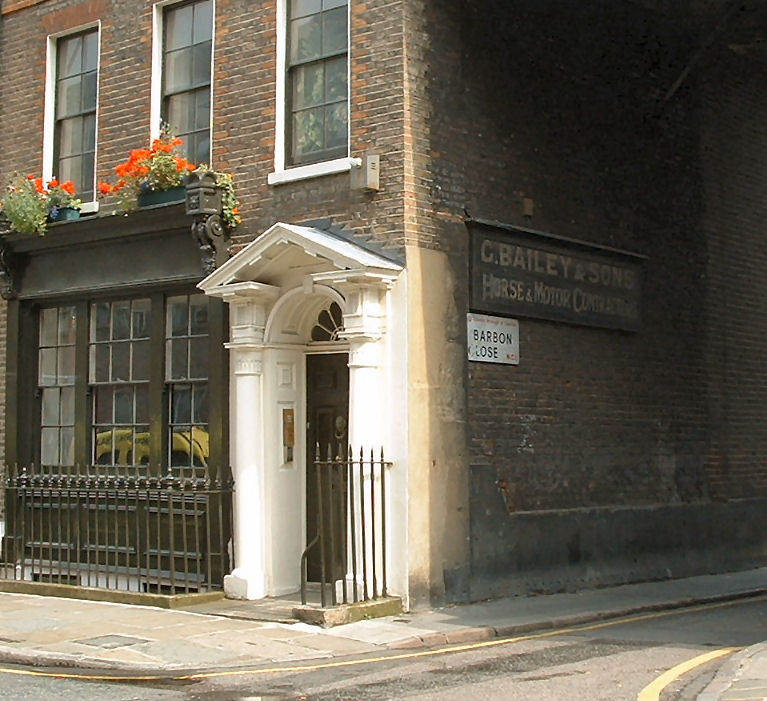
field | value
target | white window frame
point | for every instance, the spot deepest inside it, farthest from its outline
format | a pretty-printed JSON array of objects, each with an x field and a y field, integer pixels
[
  {"x": 283, "y": 173},
  {"x": 49, "y": 110},
  {"x": 155, "y": 99}
]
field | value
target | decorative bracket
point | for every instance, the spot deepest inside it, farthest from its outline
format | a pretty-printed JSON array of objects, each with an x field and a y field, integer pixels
[{"x": 213, "y": 239}]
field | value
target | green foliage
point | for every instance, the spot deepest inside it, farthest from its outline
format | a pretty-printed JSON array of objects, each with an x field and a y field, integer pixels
[{"x": 24, "y": 207}]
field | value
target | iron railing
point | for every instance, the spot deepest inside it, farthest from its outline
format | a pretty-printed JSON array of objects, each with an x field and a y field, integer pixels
[
  {"x": 91, "y": 527},
  {"x": 348, "y": 552}
]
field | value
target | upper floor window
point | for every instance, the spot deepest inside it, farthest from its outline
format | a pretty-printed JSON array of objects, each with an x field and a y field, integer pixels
[
  {"x": 186, "y": 54},
  {"x": 317, "y": 80},
  {"x": 74, "y": 142}
]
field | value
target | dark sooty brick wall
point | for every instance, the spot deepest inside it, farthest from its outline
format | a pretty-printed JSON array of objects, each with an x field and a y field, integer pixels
[{"x": 594, "y": 419}]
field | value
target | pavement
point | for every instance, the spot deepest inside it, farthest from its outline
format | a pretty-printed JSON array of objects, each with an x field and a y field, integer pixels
[{"x": 229, "y": 635}]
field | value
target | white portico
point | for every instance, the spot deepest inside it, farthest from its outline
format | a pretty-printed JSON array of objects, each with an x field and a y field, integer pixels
[{"x": 297, "y": 291}]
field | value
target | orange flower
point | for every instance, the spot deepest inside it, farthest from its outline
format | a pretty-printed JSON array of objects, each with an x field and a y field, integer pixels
[
  {"x": 68, "y": 187},
  {"x": 105, "y": 188},
  {"x": 39, "y": 185},
  {"x": 30, "y": 177},
  {"x": 53, "y": 182}
]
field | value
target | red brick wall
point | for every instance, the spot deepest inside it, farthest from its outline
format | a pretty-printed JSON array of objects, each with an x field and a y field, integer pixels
[{"x": 243, "y": 105}]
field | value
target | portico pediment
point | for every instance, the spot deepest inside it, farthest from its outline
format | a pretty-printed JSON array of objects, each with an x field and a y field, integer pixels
[{"x": 287, "y": 255}]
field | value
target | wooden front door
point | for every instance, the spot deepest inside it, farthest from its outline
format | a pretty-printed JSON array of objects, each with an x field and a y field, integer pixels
[{"x": 327, "y": 411}]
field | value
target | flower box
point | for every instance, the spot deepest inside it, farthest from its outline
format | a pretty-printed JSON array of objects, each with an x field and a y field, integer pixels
[
  {"x": 151, "y": 198},
  {"x": 65, "y": 214}
]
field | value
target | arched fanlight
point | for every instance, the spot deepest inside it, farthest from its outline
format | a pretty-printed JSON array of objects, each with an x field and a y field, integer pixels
[{"x": 329, "y": 324}]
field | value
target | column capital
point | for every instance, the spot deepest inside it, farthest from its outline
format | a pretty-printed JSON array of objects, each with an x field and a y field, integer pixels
[
  {"x": 364, "y": 352},
  {"x": 247, "y": 359}
]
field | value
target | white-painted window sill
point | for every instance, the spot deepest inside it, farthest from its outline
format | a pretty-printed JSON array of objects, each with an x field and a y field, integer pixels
[
  {"x": 89, "y": 207},
  {"x": 313, "y": 170}
]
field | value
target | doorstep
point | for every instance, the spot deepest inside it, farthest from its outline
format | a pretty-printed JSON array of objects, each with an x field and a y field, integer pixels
[{"x": 348, "y": 613}]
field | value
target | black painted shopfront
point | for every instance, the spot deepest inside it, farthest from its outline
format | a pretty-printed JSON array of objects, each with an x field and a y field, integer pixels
[{"x": 117, "y": 456}]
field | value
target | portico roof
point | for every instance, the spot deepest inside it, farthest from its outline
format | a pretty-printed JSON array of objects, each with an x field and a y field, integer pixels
[{"x": 286, "y": 254}]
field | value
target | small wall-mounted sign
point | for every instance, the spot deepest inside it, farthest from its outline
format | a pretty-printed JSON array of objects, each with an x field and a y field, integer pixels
[
  {"x": 493, "y": 339},
  {"x": 288, "y": 433}
]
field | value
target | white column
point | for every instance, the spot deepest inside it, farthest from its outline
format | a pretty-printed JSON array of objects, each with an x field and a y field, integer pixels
[
  {"x": 365, "y": 397},
  {"x": 248, "y": 579},
  {"x": 363, "y": 328},
  {"x": 248, "y": 312}
]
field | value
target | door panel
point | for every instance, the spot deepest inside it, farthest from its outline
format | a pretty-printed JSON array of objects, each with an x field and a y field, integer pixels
[{"x": 327, "y": 412}]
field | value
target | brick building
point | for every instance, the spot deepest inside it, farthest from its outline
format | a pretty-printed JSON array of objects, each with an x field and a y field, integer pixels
[{"x": 593, "y": 171}]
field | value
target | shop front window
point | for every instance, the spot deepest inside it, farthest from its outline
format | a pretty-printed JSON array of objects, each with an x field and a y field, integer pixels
[{"x": 124, "y": 403}]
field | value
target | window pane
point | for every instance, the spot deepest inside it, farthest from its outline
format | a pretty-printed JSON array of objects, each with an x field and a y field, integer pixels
[
  {"x": 178, "y": 27},
  {"x": 47, "y": 371},
  {"x": 66, "y": 365},
  {"x": 334, "y": 31},
  {"x": 330, "y": 4},
  {"x": 203, "y": 21},
  {"x": 70, "y": 56},
  {"x": 142, "y": 404},
  {"x": 201, "y": 153},
  {"x": 85, "y": 186},
  {"x": 99, "y": 362},
  {"x": 181, "y": 408},
  {"x": 141, "y": 358},
  {"x": 299, "y": 8},
  {"x": 200, "y": 404},
  {"x": 335, "y": 79},
  {"x": 179, "y": 111},
  {"x": 67, "y": 446},
  {"x": 103, "y": 448},
  {"x": 71, "y": 169},
  {"x": 49, "y": 443},
  {"x": 123, "y": 399},
  {"x": 120, "y": 362},
  {"x": 104, "y": 396},
  {"x": 89, "y": 132},
  {"x": 336, "y": 126},
  {"x": 100, "y": 315},
  {"x": 308, "y": 86},
  {"x": 141, "y": 446},
  {"x": 202, "y": 109},
  {"x": 177, "y": 316},
  {"x": 67, "y": 410},
  {"x": 48, "y": 327},
  {"x": 305, "y": 38},
  {"x": 50, "y": 412},
  {"x": 178, "y": 360},
  {"x": 198, "y": 314},
  {"x": 90, "y": 51},
  {"x": 66, "y": 326},
  {"x": 308, "y": 131},
  {"x": 70, "y": 136},
  {"x": 141, "y": 316},
  {"x": 89, "y": 92},
  {"x": 68, "y": 100},
  {"x": 178, "y": 70},
  {"x": 121, "y": 320},
  {"x": 201, "y": 63},
  {"x": 198, "y": 358}
]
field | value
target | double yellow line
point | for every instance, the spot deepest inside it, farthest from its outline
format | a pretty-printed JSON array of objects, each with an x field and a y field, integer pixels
[{"x": 655, "y": 687}]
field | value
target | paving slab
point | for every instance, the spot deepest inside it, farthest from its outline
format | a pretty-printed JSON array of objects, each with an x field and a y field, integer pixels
[{"x": 227, "y": 634}]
